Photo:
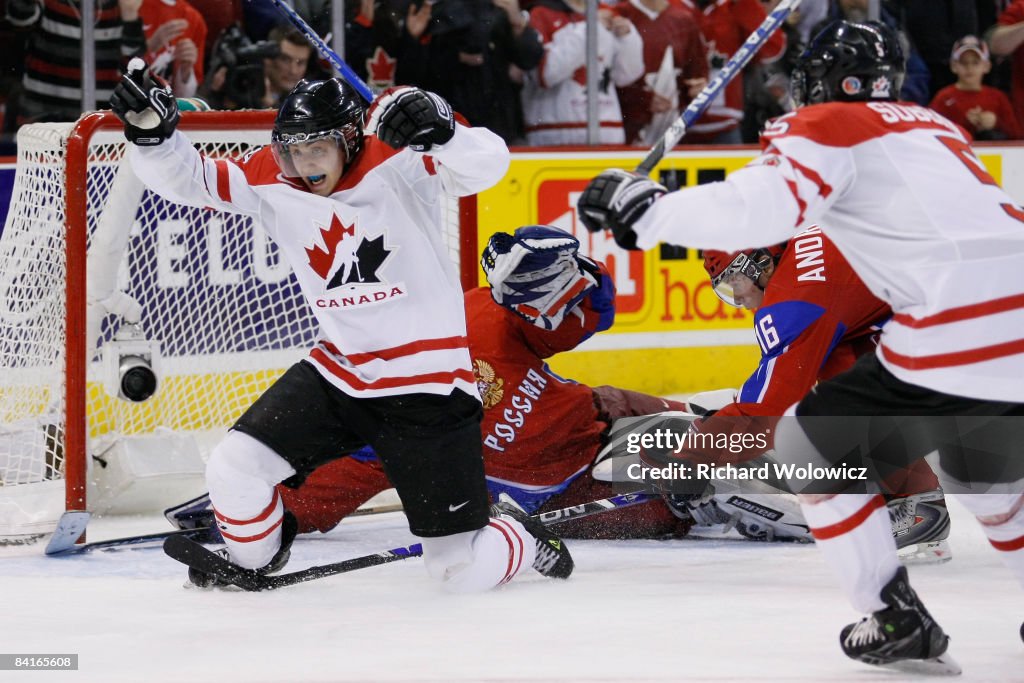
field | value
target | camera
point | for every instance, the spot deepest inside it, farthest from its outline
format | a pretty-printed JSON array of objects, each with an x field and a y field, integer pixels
[
  {"x": 244, "y": 85},
  {"x": 131, "y": 365}
]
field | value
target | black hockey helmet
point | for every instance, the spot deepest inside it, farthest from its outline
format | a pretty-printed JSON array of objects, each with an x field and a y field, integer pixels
[
  {"x": 850, "y": 62},
  {"x": 314, "y": 110}
]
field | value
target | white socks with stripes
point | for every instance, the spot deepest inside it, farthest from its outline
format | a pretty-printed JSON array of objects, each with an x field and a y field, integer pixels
[
  {"x": 476, "y": 561},
  {"x": 854, "y": 534},
  {"x": 241, "y": 475},
  {"x": 1001, "y": 516}
]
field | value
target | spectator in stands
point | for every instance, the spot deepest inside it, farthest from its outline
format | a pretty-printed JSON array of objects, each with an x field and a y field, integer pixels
[
  {"x": 218, "y": 15},
  {"x": 1005, "y": 39},
  {"x": 725, "y": 25},
  {"x": 934, "y": 25},
  {"x": 464, "y": 51},
  {"x": 663, "y": 28},
  {"x": 175, "y": 43},
  {"x": 804, "y": 17},
  {"x": 766, "y": 87},
  {"x": 289, "y": 66},
  {"x": 372, "y": 33},
  {"x": 554, "y": 93},
  {"x": 52, "y": 84},
  {"x": 984, "y": 111},
  {"x": 235, "y": 77},
  {"x": 916, "y": 83}
]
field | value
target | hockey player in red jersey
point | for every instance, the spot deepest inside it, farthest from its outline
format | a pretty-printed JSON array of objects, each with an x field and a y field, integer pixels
[
  {"x": 813, "y": 317},
  {"x": 932, "y": 234},
  {"x": 541, "y": 432},
  {"x": 357, "y": 218}
]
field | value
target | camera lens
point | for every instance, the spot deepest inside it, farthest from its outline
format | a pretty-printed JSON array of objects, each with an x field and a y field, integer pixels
[{"x": 138, "y": 382}]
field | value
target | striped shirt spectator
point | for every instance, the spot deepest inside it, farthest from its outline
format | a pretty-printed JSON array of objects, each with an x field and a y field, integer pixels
[{"x": 51, "y": 87}]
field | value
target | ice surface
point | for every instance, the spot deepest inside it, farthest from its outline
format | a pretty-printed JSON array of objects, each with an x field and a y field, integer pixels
[{"x": 637, "y": 611}]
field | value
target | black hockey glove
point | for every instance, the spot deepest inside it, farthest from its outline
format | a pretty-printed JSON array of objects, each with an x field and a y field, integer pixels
[
  {"x": 145, "y": 104},
  {"x": 615, "y": 200},
  {"x": 414, "y": 118}
]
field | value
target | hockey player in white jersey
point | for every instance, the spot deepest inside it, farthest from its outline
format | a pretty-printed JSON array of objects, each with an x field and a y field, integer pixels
[
  {"x": 357, "y": 217},
  {"x": 931, "y": 233}
]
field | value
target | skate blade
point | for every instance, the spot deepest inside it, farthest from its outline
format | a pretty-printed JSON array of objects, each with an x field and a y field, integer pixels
[
  {"x": 929, "y": 552},
  {"x": 943, "y": 665}
]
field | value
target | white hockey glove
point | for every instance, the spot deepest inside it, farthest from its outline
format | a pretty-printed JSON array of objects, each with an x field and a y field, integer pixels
[
  {"x": 538, "y": 273},
  {"x": 615, "y": 200},
  {"x": 145, "y": 104},
  {"x": 410, "y": 117}
]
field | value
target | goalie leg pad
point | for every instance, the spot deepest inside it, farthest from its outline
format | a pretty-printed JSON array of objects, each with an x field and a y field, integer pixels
[{"x": 765, "y": 516}]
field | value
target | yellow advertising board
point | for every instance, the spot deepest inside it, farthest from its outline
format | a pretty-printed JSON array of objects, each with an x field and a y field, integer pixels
[{"x": 671, "y": 333}]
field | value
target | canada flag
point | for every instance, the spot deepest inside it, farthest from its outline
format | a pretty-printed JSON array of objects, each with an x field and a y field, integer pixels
[{"x": 381, "y": 69}]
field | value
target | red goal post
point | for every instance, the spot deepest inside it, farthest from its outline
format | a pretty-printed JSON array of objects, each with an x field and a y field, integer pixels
[{"x": 87, "y": 249}]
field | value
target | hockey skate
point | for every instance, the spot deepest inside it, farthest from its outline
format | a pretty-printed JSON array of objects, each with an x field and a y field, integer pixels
[
  {"x": 289, "y": 529},
  {"x": 920, "y": 525},
  {"x": 552, "y": 559},
  {"x": 903, "y": 637}
]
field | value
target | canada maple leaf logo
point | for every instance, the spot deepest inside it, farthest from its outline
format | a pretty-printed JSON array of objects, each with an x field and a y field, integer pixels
[
  {"x": 321, "y": 260},
  {"x": 381, "y": 68}
]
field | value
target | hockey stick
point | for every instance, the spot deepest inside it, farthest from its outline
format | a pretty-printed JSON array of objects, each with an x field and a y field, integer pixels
[
  {"x": 71, "y": 526},
  {"x": 194, "y": 555},
  {"x": 325, "y": 51},
  {"x": 732, "y": 67}
]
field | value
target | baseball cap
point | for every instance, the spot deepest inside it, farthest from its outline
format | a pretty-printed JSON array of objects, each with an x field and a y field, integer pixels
[{"x": 969, "y": 43}]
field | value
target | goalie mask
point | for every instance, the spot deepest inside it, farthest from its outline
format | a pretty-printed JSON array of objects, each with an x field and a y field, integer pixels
[
  {"x": 318, "y": 110},
  {"x": 732, "y": 272},
  {"x": 850, "y": 62}
]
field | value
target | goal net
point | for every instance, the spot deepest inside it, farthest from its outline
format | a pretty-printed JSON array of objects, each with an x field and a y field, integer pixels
[{"x": 91, "y": 259}]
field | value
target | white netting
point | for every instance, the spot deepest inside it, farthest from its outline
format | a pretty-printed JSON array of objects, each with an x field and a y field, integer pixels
[{"x": 211, "y": 289}]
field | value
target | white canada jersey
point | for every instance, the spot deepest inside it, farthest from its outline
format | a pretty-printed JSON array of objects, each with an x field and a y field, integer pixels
[
  {"x": 555, "y": 93},
  {"x": 898, "y": 189},
  {"x": 370, "y": 259}
]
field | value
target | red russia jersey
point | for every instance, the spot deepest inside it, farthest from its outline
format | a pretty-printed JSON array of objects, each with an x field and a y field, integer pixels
[
  {"x": 1014, "y": 14},
  {"x": 816, "y": 318},
  {"x": 674, "y": 27},
  {"x": 954, "y": 103},
  {"x": 370, "y": 258},
  {"x": 726, "y": 24},
  {"x": 898, "y": 189},
  {"x": 539, "y": 429},
  {"x": 154, "y": 14}
]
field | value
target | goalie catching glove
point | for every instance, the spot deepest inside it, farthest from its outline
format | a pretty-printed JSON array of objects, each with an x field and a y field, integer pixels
[
  {"x": 615, "y": 200},
  {"x": 538, "y": 273},
  {"x": 145, "y": 104},
  {"x": 410, "y": 117}
]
